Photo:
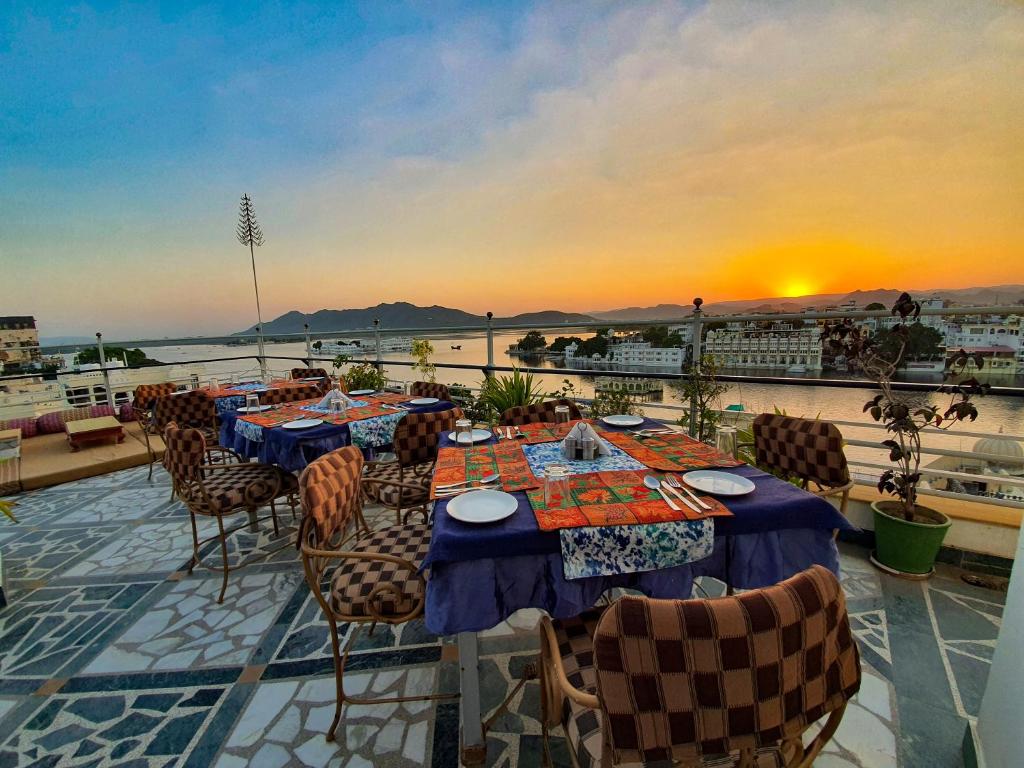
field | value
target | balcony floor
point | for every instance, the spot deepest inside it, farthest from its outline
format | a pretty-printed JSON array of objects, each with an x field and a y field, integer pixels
[{"x": 112, "y": 654}]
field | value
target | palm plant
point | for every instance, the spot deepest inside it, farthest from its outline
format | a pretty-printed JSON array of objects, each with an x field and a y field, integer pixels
[{"x": 499, "y": 393}]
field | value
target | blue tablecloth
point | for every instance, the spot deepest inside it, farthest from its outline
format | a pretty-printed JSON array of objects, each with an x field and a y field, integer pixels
[
  {"x": 294, "y": 449},
  {"x": 481, "y": 575}
]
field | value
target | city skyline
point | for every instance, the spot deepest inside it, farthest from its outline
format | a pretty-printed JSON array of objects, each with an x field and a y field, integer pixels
[{"x": 730, "y": 151}]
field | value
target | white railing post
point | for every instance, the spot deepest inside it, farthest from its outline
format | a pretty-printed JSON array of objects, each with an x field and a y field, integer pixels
[
  {"x": 695, "y": 361},
  {"x": 489, "y": 370},
  {"x": 309, "y": 345},
  {"x": 103, "y": 367},
  {"x": 376, "y": 343},
  {"x": 262, "y": 357}
]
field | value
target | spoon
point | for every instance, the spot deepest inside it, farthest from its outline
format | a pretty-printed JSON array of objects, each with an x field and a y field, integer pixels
[
  {"x": 674, "y": 482},
  {"x": 655, "y": 485},
  {"x": 483, "y": 481}
]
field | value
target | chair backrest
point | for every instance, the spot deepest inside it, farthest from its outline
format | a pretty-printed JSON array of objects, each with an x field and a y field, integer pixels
[
  {"x": 146, "y": 394},
  {"x": 329, "y": 491},
  {"x": 429, "y": 389},
  {"x": 418, "y": 435},
  {"x": 682, "y": 678},
  {"x": 193, "y": 408},
  {"x": 290, "y": 394},
  {"x": 184, "y": 451},
  {"x": 538, "y": 412},
  {"x": 309, "y": 373},
  {"x": 809, "y": 449}
]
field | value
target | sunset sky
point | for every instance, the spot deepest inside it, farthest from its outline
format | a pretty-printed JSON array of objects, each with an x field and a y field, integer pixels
[{"x": 500, "y": 156}]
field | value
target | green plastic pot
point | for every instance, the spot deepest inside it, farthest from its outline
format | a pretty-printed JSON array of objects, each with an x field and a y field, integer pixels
[{"x": 907, "y": 547}]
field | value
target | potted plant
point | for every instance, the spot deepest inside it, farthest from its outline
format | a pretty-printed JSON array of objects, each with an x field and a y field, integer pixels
[
  {"x": 908, "y": 535},
  {"x": 361, "y": 375}
]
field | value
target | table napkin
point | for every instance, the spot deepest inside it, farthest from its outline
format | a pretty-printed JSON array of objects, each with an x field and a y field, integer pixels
[
  {"x": 336, "y": 394},
  {"x": 582, "y": 429}
]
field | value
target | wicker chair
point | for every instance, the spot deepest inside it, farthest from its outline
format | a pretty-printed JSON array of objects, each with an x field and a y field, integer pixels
[
  {"x": 324, "y": 383},
  {"x": 375, "y": 576},
  {"x": 809, "y": 450},
  {"x": 429, "y": 389},
  {"x": 404, "y": 484},
  {"x": 290, "y": 394},
  {"x": 734, "y": 681},
  {"x": 143, "y": 400},
  {"x": 538, "y": 412},
  {"x": 216, "y": 482}
]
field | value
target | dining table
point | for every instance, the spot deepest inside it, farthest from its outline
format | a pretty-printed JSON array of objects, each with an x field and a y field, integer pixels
[
  {"x": 481, "y": 574},
  {"x": 230, "y": 396},
  {"x": 370, "y": 425}
]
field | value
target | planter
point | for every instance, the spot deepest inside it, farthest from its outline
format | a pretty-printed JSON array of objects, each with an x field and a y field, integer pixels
[{"x": 907, "y": 548}]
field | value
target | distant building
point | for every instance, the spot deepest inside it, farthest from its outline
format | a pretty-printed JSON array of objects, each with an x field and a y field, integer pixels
[
  {"x": 779, "y": 346},
  {"x": 998, "y": 340},
  {"x": 628, "y": 353},
  {"x": 19, "y": 340}
]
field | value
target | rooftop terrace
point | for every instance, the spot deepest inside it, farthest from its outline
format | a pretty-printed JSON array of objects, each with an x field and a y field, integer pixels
[{"x": 111, "y": 654}]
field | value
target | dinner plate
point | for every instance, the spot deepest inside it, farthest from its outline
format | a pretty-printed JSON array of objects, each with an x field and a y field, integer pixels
[
  {"x": 478, "y": 435},
  {"x": 301, "y": 423},
  {"x": 623, "y": 420},
  {"x": 424, "y": 401},
  {"x": 362, "y": 391},
  {"x": 313, "y": 378},
  {"x": 718, "y": 483},
  {"x": 254, "y": 409},
  {"x": 482, "y": 506}
]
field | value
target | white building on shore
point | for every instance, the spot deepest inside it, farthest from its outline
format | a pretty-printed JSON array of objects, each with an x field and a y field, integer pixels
[
  {"x": 628, "y": 355},
  {"x": 779, "y": 347}
]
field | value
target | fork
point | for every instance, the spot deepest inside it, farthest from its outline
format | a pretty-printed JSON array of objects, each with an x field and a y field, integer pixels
[{"x": 674, "y": 482}]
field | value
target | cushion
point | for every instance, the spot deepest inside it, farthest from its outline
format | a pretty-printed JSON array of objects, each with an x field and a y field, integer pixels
[
  {"x": 52, "y": 423},
  {"x": 389, "y": 493},
  {"x": 27, "y": 426},
  {"x": 354, "y": 580},
  {"x": 96, "y": 411},
  {"x": 126, "y": 412},
  {"x": 246, "y": 484}
]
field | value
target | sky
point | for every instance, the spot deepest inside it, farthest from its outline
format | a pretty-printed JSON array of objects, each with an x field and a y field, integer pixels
[{"x": 499, "y": 156}]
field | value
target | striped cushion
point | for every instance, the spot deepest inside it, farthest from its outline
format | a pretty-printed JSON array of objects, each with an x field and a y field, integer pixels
[
  {"x": 27, "y": 426},
  {"x": 52, "y": 423}
]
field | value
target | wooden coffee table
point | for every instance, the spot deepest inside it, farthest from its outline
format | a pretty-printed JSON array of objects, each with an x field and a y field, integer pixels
[{"x": 93, "y": 431}]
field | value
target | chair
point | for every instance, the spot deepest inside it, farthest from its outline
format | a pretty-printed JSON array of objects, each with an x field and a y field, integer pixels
[
  {"x": 429, "y": 389},
  {"x": 375, "y": 576},
  {"x": 809, "y": 450},
  {"x": 216, "y": 482},
  {"x": 733, "y": 681},
  {"x": 404, "y": 484},
  {"x": 143, "y": 399},
  {"x": 193, "y": 408},
  {"x": 537, "y": 412},
  {"x": 290, "y": 394},
  {"x": 324, "y": 384}
]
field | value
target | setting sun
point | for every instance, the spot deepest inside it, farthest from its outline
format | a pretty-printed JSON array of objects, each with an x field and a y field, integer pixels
[{"x": 796, "y": 286}]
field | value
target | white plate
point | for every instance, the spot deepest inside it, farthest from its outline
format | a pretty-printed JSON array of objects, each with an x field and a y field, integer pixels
[
  {"x": 362, "y": 391},
  {"x": 478, "y": 435},
  {"x": 482, "y": 506},
  {"x": 424, "y": 401},
  {"x": 313, "y": 378},
  {"x": 718, "y": 483},
  {"x": 256, "y": 409},
  {"x": 623, "y": 420},
  {"x": 301, "y": 423}
]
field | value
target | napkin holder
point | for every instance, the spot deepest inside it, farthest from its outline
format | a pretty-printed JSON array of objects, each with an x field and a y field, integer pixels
[
  {"x": 336, "y": 394},
  {"x": 574, "y": 448}
]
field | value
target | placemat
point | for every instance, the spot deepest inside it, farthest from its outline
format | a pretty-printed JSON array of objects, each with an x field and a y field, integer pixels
[
  {"x": 540, "y": 432},
  {"x": 297, "y": 410},
  {"x": 456, "y": 465},
  {"x": 670, "y": 453}
]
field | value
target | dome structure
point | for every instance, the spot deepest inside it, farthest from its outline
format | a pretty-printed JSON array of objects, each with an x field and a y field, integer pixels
[{"x": 1004, "y": 448}]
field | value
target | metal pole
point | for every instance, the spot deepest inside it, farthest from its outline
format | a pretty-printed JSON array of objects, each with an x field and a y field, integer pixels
[
  {"x": 695, "y": 362},
  {"x": 376, "y": 342},
  {"x": 309, "y": 345},
  {"x": 103, "y": 367},
  {"x": 259, "y": 315},
  {"x": 489, "y": 370}
]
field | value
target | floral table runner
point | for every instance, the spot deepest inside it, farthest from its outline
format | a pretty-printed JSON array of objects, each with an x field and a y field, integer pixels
[
  {"x": 456, "y": 465},
  {"x": 613, "y": 549},
  {"x": 674, "y": 452}
]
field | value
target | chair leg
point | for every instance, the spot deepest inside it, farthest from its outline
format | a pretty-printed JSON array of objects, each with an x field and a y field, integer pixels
[
  {"x": 224, "y": 556},
  {"x": 273, "y": 517},
  {"x": 339, "y": 674},
  {"x": 195, "y": 542}
]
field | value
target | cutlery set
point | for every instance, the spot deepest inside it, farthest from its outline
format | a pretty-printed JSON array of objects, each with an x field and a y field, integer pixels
[
  {"x": 671, "y": 484},
  {"x": 506, "y": 433},
  {"x": 454, "y": 489}
]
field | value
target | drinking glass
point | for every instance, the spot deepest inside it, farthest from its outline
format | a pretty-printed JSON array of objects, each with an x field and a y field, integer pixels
[
  {"x": 336, "y": 407},
  {"x": 252, "y": 402},
  {"x": 561, "y": 419},
  {"x": 556, "y": 484},
  {"x": 726, "y": 440},
  {"x": 464, "y": 432},
  {"x": 214, "y": 385}
]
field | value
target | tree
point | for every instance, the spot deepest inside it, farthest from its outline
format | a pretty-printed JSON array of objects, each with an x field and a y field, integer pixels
[
  {"x": 560, "y": 343},
  {"x": 913, "y": 342},
  {"x": 701, "y": 390},
  {"x": 135, "y": 358},
  {"x": 874, "y": 306},
  {"x": 531, "y": 341},
  {"x": 596, "y": 345},
  {"x": 249, "y": 233},
  {"x": 317, "y": 345},
  {"x": 422, "y": 349},
  {"x": 658, "y": 336}
]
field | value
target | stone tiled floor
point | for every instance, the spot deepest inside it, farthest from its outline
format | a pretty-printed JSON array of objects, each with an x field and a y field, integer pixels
[{"x": 111, "y": 655}]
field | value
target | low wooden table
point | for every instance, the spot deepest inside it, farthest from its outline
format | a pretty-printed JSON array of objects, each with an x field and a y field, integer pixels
[{"x": 93, "y": 431}]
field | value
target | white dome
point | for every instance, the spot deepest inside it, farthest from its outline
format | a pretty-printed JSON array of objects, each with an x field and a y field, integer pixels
[{"x": 997, "y": 445}]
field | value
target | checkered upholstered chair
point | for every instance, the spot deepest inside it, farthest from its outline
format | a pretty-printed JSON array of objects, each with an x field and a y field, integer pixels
[
  {"x": 215, "y": 482},
  {"x": 290, "y": 394},
  {"x": 429, "y": 389},
  {"x": 314, "y": 373},
  {"x": 143, "y": 400},
  {"x": 372, "y": 577},
  {"x": 809, "y": 450},
  {"x": 733, "y": 681},
  {"x": 538, "y": 412},
  {"x": 404, "y": 484}
]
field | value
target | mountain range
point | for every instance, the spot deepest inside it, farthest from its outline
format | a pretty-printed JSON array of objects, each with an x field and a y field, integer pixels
[{"x": 405, "y": 315}]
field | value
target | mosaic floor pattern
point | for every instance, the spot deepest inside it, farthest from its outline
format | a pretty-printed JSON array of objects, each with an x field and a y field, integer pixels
[{"x": 111, "y": 654}]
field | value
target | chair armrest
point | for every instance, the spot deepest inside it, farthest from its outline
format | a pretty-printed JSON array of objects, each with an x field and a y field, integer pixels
[
  {"x": 212, "y": 450},
  {"x": 833, "y": 490},
  {"x": 553, "y": 660},
  {"x": 396, "y": 484}
]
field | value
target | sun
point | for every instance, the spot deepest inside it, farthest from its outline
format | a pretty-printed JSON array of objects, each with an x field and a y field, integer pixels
[{"x": 797, "y": 286}]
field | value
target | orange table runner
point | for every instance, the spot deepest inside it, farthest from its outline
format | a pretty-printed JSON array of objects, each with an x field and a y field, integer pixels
[
  {"x": 674, "y": 452},
  {"x": 292, "y": 411},
  {"x": 456, "y": 465}
]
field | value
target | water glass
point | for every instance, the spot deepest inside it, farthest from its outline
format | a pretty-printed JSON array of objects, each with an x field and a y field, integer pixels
[
  {"x": 561, "y": 419},
  {"x": 726, "y": 440},
  {"x": 556, "y": 484},
  {"x": 464, "y": 432},
  {"x": 336, "y": 407},
  {"x": 214, "y": 385},
  {"x": 252, "y": 402}
]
